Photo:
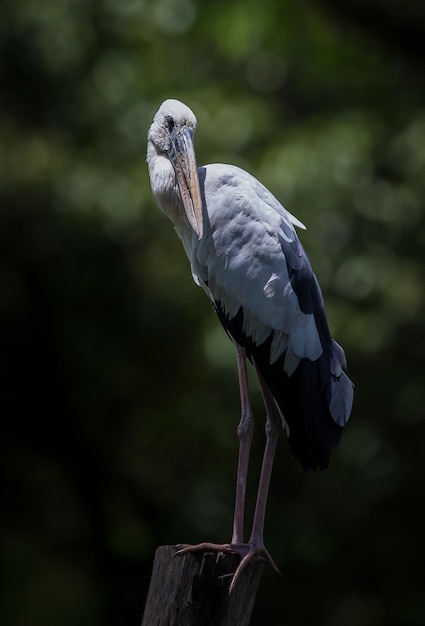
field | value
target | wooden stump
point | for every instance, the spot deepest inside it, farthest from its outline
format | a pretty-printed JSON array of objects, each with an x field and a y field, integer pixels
[{"x": 193, "y": 590}]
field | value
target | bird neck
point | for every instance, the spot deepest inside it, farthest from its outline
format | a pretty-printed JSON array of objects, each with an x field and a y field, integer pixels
[{"x": 164, "y": 184}]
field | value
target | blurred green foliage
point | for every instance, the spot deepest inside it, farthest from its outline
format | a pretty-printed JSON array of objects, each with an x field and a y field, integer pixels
[{"x": 119, "y": 389}]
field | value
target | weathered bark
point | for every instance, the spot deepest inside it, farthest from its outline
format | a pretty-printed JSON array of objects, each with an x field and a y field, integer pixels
[{"x": 193, "y": 590}]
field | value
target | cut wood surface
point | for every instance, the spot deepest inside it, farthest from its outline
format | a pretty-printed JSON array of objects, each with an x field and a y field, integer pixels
[{"x": 193, "y": 590}]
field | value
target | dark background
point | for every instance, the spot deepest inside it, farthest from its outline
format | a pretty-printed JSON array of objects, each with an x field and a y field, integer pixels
[{"x": 118, "y": 387}]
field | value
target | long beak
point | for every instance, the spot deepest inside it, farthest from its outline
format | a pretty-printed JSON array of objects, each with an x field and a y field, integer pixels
[{"x": 187, "y": 178}]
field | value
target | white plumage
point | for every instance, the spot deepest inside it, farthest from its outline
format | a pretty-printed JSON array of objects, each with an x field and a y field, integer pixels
[
  {"x": 244, "y": 252},
  {"x": 241, "y": 258}
]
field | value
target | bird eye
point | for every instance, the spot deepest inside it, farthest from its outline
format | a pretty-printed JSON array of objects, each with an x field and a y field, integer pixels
[{"x": 170, "y": 122}]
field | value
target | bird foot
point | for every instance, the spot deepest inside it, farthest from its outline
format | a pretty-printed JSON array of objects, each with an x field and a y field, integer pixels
[{"x": 247, "y": 552}]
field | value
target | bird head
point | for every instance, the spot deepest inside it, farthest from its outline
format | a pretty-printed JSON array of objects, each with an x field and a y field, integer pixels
[{"x": 172, "y": 134}]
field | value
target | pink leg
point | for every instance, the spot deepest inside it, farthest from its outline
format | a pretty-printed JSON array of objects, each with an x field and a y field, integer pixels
[
  {"x": 273, "y": 428},
  {"x": 245, "y": 429},
  {"x": 255, "y": 547}
]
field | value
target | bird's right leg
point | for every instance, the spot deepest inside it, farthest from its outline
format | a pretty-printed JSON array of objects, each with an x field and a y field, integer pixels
[{"x": 245, "y": 429}]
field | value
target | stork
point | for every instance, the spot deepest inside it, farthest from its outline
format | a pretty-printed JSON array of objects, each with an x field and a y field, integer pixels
[{"x": 244, "y": 252}]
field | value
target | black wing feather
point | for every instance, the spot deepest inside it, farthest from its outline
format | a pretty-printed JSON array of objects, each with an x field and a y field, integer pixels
[{"x": 315, "y": 400}]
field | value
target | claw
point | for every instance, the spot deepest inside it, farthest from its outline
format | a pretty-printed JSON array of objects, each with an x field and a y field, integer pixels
[
  {"x": 254, "y": 552},
  {"x": 206, "y": 546},
  {"x": 247, "y": 552}
]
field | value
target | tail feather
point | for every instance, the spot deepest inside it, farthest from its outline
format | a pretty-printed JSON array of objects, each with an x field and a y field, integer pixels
[{"x": 315, "y": 400}]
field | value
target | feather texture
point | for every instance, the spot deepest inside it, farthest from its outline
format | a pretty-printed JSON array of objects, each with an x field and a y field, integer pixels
[
  {"x": 256, "y": 272},
  {"x": 253, "y": 267}
]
